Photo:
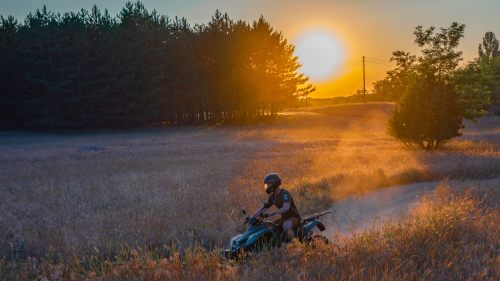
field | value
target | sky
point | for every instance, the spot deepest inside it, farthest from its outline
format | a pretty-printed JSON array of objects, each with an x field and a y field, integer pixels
[{"x": 355, "y": 28}]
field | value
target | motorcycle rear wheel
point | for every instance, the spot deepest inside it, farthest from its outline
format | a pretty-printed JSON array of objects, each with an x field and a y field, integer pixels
[{"x": 317, "y": 240}]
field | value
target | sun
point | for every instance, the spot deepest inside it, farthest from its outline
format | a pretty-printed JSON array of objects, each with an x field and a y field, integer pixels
[{"x": 318, "y": 54}]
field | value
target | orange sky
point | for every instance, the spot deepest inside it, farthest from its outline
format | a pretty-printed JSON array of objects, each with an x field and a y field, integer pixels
[{"x": 371, "y": 28}]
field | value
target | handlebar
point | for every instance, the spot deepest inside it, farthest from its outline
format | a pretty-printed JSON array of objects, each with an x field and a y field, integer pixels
[{"x": 260, "y": 218}]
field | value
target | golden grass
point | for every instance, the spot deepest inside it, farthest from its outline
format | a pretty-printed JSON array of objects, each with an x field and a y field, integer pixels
[
  {"x": 187, "y": 185},
  {"x": 452, "y": 235}
]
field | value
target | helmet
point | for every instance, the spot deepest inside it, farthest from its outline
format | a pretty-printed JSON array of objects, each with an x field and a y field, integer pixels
[{"x": 271, "y": 182}]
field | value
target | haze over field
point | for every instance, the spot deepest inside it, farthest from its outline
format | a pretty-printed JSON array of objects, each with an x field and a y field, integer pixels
[{"x": 373, "y": 29}]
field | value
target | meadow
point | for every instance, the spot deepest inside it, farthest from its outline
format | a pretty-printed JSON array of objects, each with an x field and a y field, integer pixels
[{"x": 115, "y": 202}]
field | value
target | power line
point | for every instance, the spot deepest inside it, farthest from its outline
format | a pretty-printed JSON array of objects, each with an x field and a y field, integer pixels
[
  {"x": 381, "y": 63},
  {"x": 356, "y": 61},
  {"x": 377, "y": 59},
  {"x": 342, "y": 68},
  {"x": 348, "y": 62},
  {"x": 347, "y": 65},
  {"x": 338, "y": 68}
]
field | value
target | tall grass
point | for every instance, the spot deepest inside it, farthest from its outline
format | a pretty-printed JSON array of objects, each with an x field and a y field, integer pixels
[
  {"x": 452, "y": 235},
  {"x": 150, "y": 188}
]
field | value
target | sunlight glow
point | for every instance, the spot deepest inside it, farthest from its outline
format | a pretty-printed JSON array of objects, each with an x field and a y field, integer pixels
[{"x": 318, "y": 54}]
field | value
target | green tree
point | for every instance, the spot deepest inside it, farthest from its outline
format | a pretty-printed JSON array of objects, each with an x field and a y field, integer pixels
[
  {"x": 391, "y": 88},
  {"x": 481, "y": 77},
  {"x": 432, "y": 108},
  {"x": 490, "y": 46},
  {"x": 440, "y": 57},
  {"x": 479, "y": 83},
  {"x": 292, "y": 84}
]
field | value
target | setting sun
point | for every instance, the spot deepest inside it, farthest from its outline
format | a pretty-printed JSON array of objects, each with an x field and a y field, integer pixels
[{"x": 318, "y": 55}]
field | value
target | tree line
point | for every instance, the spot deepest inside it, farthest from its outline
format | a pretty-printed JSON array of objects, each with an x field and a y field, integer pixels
[
  {"x": 89, "y": 69},
  {"x": 486, "y": 67}
]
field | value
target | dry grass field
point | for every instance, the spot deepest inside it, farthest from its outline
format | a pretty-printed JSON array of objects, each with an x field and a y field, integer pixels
[{"x": 187, "y": 186}]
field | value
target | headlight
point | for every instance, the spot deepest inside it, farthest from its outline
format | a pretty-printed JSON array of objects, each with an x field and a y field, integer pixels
[{"x": 232, "y": 241}]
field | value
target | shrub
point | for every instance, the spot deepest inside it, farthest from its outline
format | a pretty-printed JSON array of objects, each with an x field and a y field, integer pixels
[{"x": 427, "y": 115}]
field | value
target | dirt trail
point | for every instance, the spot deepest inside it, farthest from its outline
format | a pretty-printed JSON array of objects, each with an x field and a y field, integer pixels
[
  {"x": 381, "y": 203},
  {"x": 361, "y": 210}
]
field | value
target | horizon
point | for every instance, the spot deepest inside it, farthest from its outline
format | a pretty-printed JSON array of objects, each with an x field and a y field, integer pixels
[{"x": 389, "y": 23}]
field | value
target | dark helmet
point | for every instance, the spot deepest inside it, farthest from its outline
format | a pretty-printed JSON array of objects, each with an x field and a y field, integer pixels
[{"x": 271, "y": 182}]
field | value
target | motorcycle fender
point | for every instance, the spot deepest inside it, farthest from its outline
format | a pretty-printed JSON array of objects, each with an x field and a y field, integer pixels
[
  {"x": 253, "y": 238},
  {"x": 310, "y": 225}
]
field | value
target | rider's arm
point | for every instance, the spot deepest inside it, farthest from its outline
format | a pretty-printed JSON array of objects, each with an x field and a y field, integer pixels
[
  {"x": 284, "y": 209},
  {"x": 262, "y": 210},
  {"x": 259, "y": 211}
]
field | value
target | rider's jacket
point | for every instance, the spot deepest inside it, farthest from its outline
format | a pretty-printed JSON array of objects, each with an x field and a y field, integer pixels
[{"x": 284, "y": 197}]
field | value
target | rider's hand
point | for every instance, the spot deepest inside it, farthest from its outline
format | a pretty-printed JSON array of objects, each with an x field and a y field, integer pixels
[{"x": 270, "y": 214}]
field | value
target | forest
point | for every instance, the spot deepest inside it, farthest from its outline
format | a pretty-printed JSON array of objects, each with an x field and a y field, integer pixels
[{"x": 90, "y": 69}]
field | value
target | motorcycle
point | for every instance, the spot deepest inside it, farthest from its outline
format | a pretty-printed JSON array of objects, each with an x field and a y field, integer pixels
[{"x": 266, "y": 235}]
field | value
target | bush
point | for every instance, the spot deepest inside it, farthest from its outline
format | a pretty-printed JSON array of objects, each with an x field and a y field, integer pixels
[{"x": 427, "y": 115}]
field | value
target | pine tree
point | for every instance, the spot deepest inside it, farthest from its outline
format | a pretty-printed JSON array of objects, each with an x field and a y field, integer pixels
[
  {"x": 133, "y": 80},
  {"x": 11, "y": 73},
  {"x": 97, "y": 100},
  {"x": 41, "y": 49}
]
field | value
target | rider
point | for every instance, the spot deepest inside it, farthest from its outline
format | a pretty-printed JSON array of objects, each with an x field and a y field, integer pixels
[{"x": 282, "y": 198}]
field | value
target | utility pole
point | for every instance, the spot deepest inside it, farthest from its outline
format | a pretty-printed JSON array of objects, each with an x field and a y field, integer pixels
[{"x": 364, "y": 90}]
